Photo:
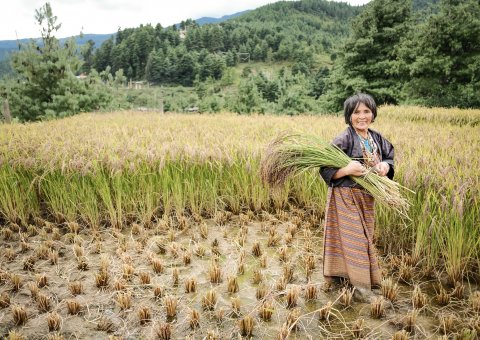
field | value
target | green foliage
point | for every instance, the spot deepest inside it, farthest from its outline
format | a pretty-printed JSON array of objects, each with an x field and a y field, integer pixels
[
  {"x": 433, "y": 60},
  {"x": 87, "y": 56},
  {"x": 442, "y": 57},
  {"x": 424, "y": 4},
  {"x": 396, "y": 51},
  {"x": 46, "y": 86},
  {"x": 5, "y": 68},
  {"x": 369, "y": 56},
  {"x": 249, "y": 99}
]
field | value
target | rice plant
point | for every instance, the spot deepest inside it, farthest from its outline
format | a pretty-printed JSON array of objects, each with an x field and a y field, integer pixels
[
  {"x": 266, "y": 310},
  {"x": 246, "y": 326},
  {"x": 43, "y": 302},
  {"x": 377, "y": 308},
  {"x": 73, "y": 307},
  {"x": 389, "y": 289},
  {"x": 4, "y": 300},
  {"x": 292, "y": 296},
  {"x": 170, "y": 303},
  {"x": 163, "y": 331},
  {"x": 124, "y": 300},
  {"x": 75, "y": 287},
  {"x": 190, "y": 285},
  {"x": 54, "y": 322},
  {"x": 144, "y": 315},
  {"x": 20, "y": 315},
  {"x": 158, "y": 292},
  {"x": 105, "y": 324},
  {"x": 209, "y": 300},
  {"x": 346, "y": 296},
  {"x": 232, "y": 284},
  {"x": 15, "y": 335},
  {"x": 358, "y": 328},
  {"x": 419, "y": 299},
  {"x": 295, "y": 153}
]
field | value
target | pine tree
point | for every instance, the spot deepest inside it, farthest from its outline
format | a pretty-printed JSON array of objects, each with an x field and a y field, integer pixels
[
  {"x": 369, "y": 57},
  {"x": 249, "y": 99},
  {"x": 442, "y": 57},
  {"x": 47, "y": 86}
]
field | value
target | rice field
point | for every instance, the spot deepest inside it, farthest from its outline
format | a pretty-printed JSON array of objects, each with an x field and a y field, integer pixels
[{"x": 147, "y": 225}]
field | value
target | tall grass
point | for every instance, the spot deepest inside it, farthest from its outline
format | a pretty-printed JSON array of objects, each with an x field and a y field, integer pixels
[
  {"x": 18, "y": 197},
  {"x": 113, "y": 169}
]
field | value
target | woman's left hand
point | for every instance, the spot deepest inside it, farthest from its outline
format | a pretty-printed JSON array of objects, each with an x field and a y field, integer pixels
[{"x": 382, "y": 168}]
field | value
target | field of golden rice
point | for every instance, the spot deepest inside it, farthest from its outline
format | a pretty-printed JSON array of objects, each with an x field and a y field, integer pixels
[{"x": 147, "y": 225}]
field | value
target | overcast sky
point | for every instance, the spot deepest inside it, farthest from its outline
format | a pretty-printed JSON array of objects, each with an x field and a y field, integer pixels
[{"x": 105, "y": 16}]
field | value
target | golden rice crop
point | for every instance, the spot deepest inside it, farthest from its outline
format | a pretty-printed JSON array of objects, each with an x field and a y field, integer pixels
[{"x": 117, "y": 168}]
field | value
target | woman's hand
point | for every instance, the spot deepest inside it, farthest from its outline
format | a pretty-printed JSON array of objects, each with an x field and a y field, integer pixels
[
  {"x": 355, "y": 168},
  {"x": 382, "y": 168}
]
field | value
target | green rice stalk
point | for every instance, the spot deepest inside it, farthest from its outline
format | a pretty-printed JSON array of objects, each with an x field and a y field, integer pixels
[{"x": 292, "y": 154}]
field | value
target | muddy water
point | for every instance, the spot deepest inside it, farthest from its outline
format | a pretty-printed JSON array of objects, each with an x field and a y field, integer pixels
[{"x": 129, "y": 247}]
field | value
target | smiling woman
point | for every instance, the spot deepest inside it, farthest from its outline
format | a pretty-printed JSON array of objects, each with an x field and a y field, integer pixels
[{"x": 349, "y": 250}]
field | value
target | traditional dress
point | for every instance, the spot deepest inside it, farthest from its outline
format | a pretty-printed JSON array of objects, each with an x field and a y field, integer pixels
[{"x": 349, "y": 250}]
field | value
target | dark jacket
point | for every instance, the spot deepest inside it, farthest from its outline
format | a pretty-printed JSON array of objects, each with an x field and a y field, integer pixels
[{"x": 349, "y": 143}]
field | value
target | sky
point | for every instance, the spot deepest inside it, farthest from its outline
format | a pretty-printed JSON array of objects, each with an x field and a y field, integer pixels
[{"x": 106, "y": 16}]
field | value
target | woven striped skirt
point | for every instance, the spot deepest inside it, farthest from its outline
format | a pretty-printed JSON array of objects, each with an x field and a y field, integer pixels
[{"x": 348, "y": 250}]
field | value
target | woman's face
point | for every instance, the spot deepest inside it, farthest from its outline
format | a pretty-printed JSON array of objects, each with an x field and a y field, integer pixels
[{"x": 362, "y": 118}]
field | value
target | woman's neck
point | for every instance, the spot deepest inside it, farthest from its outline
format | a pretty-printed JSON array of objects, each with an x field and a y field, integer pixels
[{"x": 363, "y": 133}]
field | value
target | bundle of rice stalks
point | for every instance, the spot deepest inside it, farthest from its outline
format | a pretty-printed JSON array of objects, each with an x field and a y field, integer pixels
[{"x": 292, "y": 154}]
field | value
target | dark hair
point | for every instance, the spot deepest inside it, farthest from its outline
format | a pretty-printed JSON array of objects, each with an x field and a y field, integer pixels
[{"x": 351, "y": 104}]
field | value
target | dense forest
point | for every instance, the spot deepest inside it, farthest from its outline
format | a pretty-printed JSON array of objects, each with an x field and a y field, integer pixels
[
  {"x": 293, "y": 31},
  {"x": 285, "y": 58}
]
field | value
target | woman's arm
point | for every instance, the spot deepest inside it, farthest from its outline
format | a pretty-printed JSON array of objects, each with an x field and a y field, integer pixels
[
  {"x": 354, "y": 168},
  {"x": 388, "y": 154}
]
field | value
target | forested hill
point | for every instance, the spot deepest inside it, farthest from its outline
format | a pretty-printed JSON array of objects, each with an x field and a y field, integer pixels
[
  {"x": 284, "y": 31},
  {"x": 323, "y": 24}
]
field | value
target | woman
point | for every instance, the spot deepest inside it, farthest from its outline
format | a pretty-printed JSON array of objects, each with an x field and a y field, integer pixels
[{"x": 349, "y": 250}]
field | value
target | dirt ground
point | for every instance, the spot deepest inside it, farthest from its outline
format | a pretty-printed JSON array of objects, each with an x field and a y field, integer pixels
[{"x": 129, "y": 276}]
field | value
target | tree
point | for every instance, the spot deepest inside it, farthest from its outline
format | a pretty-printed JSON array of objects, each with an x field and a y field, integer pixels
[
  {"x": 249, "y": 99},
  {"x": 46, "y": 86},
  {"x": 87, "y": 55},
  {"x": 186, "y": 67},
  {"x": 294, "y": 94},
  {"x": 441, "y": 57},
  {"x": 319, "y": 82},
  {"x": 369, "y": 58},
  {"x": 102, "y": 57}
]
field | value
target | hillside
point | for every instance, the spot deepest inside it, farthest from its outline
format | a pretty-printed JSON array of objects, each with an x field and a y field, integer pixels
[
  {"x": 300, "y": 32},
  {"x": 322, "y": 24}
]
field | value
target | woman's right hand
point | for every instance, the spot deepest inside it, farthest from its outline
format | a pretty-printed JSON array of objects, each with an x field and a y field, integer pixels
[{"x": 355, "y": 168}]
